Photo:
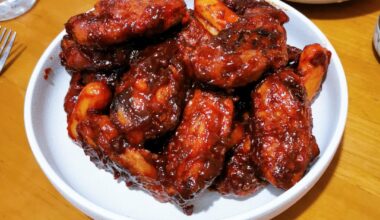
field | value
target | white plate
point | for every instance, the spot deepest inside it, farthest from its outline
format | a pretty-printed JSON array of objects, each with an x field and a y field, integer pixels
[
  {"x": 376, "y": 36},
  {"x": 97, "y": 194},
  {"x": 317, "y": 1}
]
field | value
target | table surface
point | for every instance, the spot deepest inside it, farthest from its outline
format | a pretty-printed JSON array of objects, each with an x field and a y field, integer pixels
[{"x": 350, "y": 188}]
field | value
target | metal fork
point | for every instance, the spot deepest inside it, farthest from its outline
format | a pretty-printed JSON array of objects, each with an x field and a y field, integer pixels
[{"x": 5, "y": 44}]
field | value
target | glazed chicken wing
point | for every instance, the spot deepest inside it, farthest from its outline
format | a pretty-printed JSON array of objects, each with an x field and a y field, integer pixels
[
  {"x": 149, "y": 100},
  {"x": 195, "y": 154},
  {"x": 240, "y": 173},
  {"x": 117, "y": 21},
  {"x": 78, "y": 58},
  {"x": 282, "y": 122},
  {"x": 282, "y": 128},
  {"x": 192, "y": 36},
  {"x": 241, "y": 52},
  {"x": 109, "y": 150},
  {"x": 107, "y": 147},
  {"x": 251, "y": 7}
]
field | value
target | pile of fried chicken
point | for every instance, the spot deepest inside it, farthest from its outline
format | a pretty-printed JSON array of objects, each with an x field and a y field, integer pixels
[{"x": 176, "y": 101}]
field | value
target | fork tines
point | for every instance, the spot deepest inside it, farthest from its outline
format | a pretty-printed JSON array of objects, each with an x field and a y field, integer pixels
[{"x": 7, "y": 37}]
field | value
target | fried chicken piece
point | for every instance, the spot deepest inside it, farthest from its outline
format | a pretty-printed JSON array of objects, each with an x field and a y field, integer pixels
[
  {"x": 282, "y": 128},
  {"x": 282, "y": 122},
  {"x": 193, "y": 159},
  {"x": 240, "y": 6},
  {"x": 117, "y": 21},
  {"x": 78, "y": 58},
  {"x": 244, "y": 50},
  {"x": 195, "y": 155},
  {"x": 240, "y": 174},
  {"x": 192, "y": 36},
  {"x": 109, "y": 150},
  {"x": 312, "y": 68},
  {"x": 107, "y": 147},
  {"x": 150, "y": 97},
  {"x": 250, "y": 7}
]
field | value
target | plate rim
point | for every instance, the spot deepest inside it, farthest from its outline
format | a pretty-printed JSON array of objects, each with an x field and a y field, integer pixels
[
  {"x": 269, "y": 210},
  {"x": 317, "y": 2}
]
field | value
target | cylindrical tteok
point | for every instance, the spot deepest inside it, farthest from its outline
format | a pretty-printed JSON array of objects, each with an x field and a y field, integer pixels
[{"x": 10, "y": 9}]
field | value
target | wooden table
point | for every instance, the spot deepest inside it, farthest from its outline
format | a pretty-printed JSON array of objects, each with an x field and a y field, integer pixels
[{"x": 350, "y": 188}]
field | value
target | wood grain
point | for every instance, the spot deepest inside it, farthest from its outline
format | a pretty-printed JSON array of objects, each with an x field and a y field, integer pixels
[{"x": 350, "y": 188}]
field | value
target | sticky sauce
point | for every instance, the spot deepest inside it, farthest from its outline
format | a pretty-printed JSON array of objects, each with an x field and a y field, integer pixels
[{"x": 47, "y": 72}]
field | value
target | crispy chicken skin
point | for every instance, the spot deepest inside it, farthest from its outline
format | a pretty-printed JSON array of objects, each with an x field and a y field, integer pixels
[
  {"x": 117, "y": 21},
  {"x": 240, "y": 53},
  {"x": 196, "y": 152},
  {"x": 240, "y": 173},
  {"x": 282, "y": 128},
  {"x": 150, "y": 97},
  {"x": 192, "y": 36},
  {"x": 78, "y": 58},
  {"x": 72, "y": 94},
  {"x": 250, "y": 7}
]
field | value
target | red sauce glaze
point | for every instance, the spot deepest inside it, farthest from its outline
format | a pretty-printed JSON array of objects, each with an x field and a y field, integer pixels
[
  {"x": 240, "y": 176},
  {"x": 47, "y": 72},
  {"x": 239, "y": 54},
  {"x": 196, "y": 152},
  {"x": 282, "y": 128},
  {"x": 117, "y": 21},
  {"x": 150, "y": 97},
  {"x": 172, "y": 120}
]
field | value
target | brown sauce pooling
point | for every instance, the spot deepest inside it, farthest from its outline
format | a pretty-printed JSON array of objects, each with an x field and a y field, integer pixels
[{"x": 47, "y": 72}]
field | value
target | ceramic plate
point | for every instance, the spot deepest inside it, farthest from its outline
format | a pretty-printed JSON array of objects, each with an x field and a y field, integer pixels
[
  {"x": 317, "y": 1},
  {"x": 97, "y": 194}
]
